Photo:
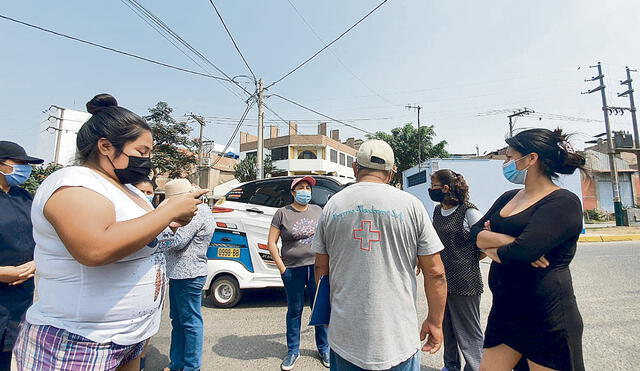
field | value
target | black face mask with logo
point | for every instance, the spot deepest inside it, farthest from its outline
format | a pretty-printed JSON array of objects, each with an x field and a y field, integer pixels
[
  {"x": 137, "y": 170},
  {"x": 437, "y": 195}
]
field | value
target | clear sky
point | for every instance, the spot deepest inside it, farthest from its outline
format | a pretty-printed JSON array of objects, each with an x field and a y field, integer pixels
[{"x": 455, "y": 58}]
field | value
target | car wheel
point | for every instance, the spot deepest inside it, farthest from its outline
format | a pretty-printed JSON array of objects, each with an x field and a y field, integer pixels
[{"x": 225, "y": 292}]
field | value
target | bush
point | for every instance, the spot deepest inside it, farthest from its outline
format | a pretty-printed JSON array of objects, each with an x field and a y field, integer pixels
[{"x": 596, "y": 215}]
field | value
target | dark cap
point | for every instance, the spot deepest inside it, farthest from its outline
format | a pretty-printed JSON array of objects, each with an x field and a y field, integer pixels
[{"x": 13, "y": 151}]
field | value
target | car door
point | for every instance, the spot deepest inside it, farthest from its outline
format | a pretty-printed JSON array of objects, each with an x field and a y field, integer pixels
[{"x": 269, "y": 196}]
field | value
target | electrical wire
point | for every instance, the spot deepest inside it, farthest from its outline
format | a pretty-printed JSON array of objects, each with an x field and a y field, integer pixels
[
  {"x": 233, "y": 40},
  {"x": 326, "y": 46},
  {"x": 113, "y": 49},
  {"x": 173, "y": 34},
  {"x": 235, "y": 132},
  {"x": 158, "y": 29},
  {"x": 155, "y": 23},
  {"x": 321, "y": 114},
  {"x": 304, "y": 20},
  {"x": 163, "y": 27},
  {"x": 310, "y": 122}
]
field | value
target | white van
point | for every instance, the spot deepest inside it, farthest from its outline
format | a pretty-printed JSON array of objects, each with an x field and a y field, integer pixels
[{"x": 238, "y": 254}]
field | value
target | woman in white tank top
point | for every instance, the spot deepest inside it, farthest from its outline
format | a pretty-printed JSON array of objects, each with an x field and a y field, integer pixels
[{"x": 99, "y": 245}]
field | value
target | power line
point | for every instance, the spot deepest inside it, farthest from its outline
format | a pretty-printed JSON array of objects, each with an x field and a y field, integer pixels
[
  {"x": 173, "y": 34},
  {"x": 164, "y": 30},
  {"x": 235, "y": 132},
  {"x": 326, "y": 46},
  {"x": 304, "y": 20},
  {"x": 311, "y": 121},
  {"x": 113, "y": 49},
  {"x": 141, "y": 14},
  {"x": 321, "y": 114},
  {"x": 233, "y": 40}
]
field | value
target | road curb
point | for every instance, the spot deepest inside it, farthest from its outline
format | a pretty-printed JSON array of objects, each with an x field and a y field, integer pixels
[{"x": 609, "y": 238}]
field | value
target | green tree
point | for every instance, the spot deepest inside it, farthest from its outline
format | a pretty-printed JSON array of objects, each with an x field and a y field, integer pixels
[
  {"x": 38, "y": 175},
  {"x": 404, "y": 140},
  {"x": 173, "y": 150},
  {"x": 245, "y": 170}
]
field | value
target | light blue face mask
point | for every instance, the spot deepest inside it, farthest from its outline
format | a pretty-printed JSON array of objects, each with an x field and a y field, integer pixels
[
  {"x": 19, "y": 175},
  {"x": 150, "y": 198},
  {"x": 512, "y": 174},
  {"x": 303, "y": 197}
]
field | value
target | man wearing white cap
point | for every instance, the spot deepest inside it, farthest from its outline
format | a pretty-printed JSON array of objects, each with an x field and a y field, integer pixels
[
  {"x": 187, "y": 272},
  {"x": 368, "y": 240}
]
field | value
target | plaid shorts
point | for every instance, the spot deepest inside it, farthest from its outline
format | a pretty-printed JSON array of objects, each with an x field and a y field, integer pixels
[{"x": 47, "y": 348}]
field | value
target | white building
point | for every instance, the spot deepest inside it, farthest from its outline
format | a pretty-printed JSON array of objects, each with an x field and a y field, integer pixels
[
  {"x": 483, "y": 176},
  {"x": 298, "y": 154},
  {"x": 57, "y": 137}
]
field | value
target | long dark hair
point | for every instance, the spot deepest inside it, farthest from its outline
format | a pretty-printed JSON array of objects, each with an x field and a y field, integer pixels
[
  {"x": 458, "y": 188},
  {"x": 101, "y": 101},
  {"x": 555, "y": 152},
  {"x": 116, "y": 124}
]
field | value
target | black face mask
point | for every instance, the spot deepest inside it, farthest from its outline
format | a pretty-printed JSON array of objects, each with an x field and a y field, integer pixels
[
  {"x": 137, "y": 170},
  {"x": 437, "y": 195}
]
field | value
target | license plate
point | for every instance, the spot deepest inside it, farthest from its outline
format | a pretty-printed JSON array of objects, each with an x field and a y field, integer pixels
[{"x": 228, "y": 252}]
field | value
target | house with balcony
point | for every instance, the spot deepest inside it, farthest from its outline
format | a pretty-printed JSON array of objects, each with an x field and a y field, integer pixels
[{"x": 301, "y": 154}]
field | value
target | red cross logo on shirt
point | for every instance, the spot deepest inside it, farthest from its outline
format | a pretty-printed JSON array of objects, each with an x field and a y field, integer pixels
[{"x": 363, "y": 235}]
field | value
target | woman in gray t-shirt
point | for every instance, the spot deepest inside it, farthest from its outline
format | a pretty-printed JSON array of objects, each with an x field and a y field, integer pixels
[{"x": 295, "y": 225}]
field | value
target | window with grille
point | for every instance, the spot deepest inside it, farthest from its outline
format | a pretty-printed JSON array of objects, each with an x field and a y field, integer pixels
[
  {"x": 280, "y": 153},
  {"x": 416, "y": 179},
  {"x": 350, "y": 161}
]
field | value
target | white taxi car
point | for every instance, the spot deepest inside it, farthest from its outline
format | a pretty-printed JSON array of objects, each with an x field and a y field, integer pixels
[{"x": 238, "y": 254}]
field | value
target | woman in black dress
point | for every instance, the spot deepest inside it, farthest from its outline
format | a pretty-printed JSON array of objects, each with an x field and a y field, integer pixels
[{"x": 531, "y": 236}]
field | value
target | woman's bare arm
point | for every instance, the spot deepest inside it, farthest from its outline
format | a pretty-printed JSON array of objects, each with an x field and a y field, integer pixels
[{"x": 86, "y": 224}]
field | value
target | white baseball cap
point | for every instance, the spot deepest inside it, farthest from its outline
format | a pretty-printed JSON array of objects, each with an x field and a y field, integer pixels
[{"x": 376, "y": 154}]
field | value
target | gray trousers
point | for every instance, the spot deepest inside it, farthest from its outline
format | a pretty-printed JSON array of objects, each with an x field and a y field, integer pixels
[{"x": 462, "y": 331}]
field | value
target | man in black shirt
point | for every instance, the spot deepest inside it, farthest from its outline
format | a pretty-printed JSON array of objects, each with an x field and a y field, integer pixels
[{"x": 16, "y": 245}]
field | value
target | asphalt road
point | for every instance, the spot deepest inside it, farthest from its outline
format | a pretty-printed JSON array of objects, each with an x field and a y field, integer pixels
[{"x": 606, "y": 279}]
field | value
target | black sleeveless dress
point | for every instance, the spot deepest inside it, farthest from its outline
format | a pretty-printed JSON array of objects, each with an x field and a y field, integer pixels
[{"x": 534, "y": 310}]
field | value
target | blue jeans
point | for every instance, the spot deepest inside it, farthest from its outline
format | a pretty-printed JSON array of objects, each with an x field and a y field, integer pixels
[
  {"x": 296, "y": 282},
  {"x": 340, "y": 364},
  {"x": 187, "y": 332}
]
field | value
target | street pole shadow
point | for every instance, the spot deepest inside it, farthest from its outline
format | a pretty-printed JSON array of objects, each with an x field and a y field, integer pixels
[
  {"x": 155, "y": 360},
  {"x": 257, "y": 347}
]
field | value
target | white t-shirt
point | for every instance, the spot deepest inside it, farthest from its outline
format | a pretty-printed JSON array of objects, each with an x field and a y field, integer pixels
[
  {"x": 471, "y": 216},
  {"x": 119, "y": 302},
  {"x": 373, "y": 234}
]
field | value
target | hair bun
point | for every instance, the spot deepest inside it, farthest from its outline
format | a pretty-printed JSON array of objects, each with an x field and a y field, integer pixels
[{"x": 100, "y": 102}]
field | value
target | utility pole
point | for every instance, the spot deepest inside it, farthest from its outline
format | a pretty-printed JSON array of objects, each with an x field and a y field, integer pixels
[
  {"x": 417, "y": 108},
  {"x": 202, "y": 123},
  {"x": 56, "y": 156},
  {"x": 260, "y": 155},
  {"x": 522, "y": 112},
  {"x": 632, "y": 108},
  {"x": 617, "y": 204}
]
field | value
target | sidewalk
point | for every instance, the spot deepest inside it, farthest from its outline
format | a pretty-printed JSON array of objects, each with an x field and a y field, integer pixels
[{"x": 609, "y": 233}]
